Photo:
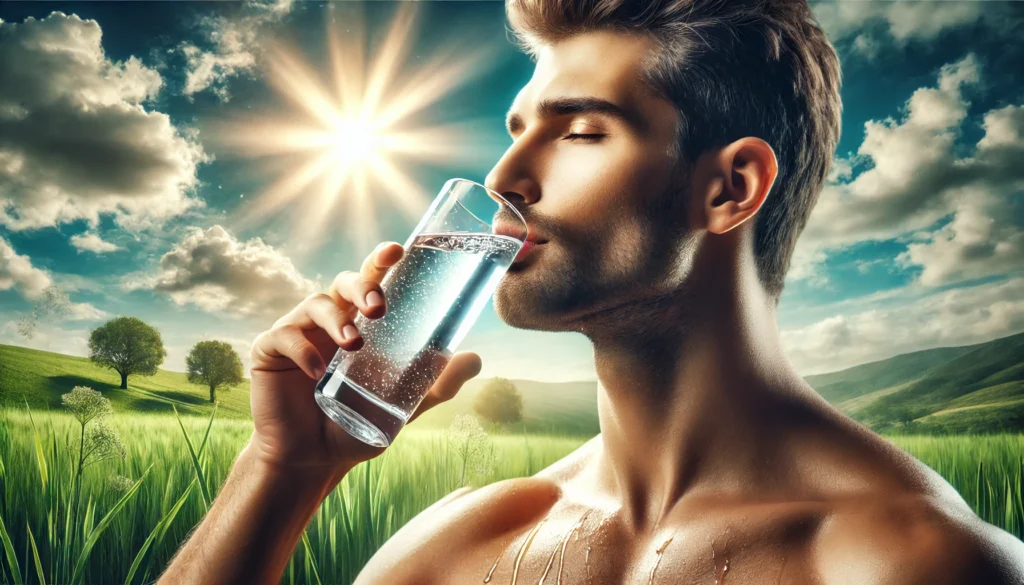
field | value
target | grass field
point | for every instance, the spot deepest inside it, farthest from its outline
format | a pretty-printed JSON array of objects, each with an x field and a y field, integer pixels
[
  {"x": 370, "y": 504},
  {"x": 40, "y": 377},
  {"x": 149, "y": 523}
]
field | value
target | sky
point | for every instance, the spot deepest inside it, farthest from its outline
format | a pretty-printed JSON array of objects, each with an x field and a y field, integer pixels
[{"x": 181, "y": 162}]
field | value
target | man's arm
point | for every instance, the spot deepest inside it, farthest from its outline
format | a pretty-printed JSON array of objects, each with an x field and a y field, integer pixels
[{"x": 253, "y": 526}]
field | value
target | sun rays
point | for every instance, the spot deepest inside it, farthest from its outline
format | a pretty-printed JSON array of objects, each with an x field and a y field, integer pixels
[{"x": 350, "y": 139}]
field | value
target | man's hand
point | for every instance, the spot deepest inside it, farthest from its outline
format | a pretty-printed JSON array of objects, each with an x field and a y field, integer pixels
[{"x": 291, "y": 430}]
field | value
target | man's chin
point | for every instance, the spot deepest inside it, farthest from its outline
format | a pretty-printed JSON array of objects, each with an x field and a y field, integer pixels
[{"x": 522, "y": 314}]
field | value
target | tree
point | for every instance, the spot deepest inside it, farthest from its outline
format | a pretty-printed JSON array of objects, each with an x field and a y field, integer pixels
[
  {"x": 499, "y": 402},
  {"x": 214, "y": 364},
  {"x": 129, "y": 346}
]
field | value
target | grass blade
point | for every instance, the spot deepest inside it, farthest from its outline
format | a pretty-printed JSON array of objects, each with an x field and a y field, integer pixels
[
  {"x": 203, "y": 490},
  {"x": 107, "y": 519},
  {"x": 209, "y": 425},
  {"x": 12, "y": 558},
  {"x": 309, "y": 557},
  {"x": 40, "y": 458},
  {"x": 156, "y": 536},
  {"x": 35, "y": 556}
]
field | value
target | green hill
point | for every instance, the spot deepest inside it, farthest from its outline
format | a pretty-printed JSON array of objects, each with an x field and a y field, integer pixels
[
  {"x": 558, "y": 408},
  {"x": 858, "y": 381},
  {"x": 40, "y": 377},
  {"x": 982, "y": 389},
  {"x": 974, "y": 388}
]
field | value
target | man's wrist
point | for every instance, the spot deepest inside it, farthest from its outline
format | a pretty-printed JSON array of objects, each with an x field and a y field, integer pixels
[{"x": 309, "y": 479}]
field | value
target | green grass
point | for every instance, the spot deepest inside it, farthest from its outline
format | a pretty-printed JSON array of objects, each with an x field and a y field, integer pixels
[
  {"x": 371, "y": 503},
  {"x": 130, "y": 538},
  {"x": 40, "y": 377}
]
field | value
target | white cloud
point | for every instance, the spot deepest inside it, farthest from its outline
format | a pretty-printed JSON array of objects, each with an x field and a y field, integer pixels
[
  {"x": 960, "y": 316},
  {"x": 901, "y": 22},
  {"x": 92, "y": 242},
  {"x": 214, "y": 271},
  {"x": 915, "y": 178},
  {"x": 17, "y": 272},
  {"x": 236, "y": 45},
  {"x": 75, "y": 139}
]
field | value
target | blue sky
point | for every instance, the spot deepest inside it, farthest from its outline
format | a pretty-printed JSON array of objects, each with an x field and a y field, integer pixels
[{"x": 122, "y": 180}]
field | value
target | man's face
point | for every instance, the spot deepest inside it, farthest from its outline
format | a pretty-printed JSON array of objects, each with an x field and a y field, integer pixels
[{"x": 611, "y": 207}]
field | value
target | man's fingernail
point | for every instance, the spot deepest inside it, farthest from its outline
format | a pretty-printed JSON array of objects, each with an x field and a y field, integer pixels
[
  {"x": 374, "y": 299},
  {"x": 350, "y": 331}
]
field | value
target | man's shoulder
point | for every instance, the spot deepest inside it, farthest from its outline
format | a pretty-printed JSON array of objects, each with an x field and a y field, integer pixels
[
  {"x": 470, "y": 518},
  {"x": 459, "y": 523},
  {"x": 915, "y": 538}
]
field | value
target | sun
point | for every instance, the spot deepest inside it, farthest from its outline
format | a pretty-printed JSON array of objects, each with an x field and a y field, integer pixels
[
  {"x": 355, "y": 140},
  {"x": 350, "y": 143}
]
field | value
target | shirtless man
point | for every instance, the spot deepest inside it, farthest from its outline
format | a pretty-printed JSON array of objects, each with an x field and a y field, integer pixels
[{"x": 666, "y": 245}]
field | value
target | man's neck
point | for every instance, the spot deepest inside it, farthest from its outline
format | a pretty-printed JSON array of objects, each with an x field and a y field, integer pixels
[{"x": 693, "y": 403}]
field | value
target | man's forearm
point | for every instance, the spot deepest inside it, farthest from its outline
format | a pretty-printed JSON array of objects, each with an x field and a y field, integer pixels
[{"x": 253, "y": 526}]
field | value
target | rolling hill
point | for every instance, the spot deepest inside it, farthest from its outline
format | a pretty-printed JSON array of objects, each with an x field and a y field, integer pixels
[
  {"x": 40, "y": 377},
  {"x": 974, "y": 388}
]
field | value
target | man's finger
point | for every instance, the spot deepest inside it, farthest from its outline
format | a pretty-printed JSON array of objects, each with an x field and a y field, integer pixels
[
  {"x": 383, "y": 257},
  {"x": 463, "y": 366},
  {"x": 285, "y": 347}
]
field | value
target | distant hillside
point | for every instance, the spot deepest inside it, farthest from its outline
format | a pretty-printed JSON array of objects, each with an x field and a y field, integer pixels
[
  {"x": 560, "y": 408},
  {"x": 837, "y": 387},
  {"x": 40, "y": 377},
  {"x": 975, "y": 388},
  {"x": 981, "y": 389}
]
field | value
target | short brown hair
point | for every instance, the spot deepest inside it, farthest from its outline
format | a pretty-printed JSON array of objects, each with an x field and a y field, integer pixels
[{"x": 733, "y": 68}]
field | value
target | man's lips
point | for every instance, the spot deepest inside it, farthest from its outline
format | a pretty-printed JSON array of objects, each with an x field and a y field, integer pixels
[
  {"x": 504, "y": 229},
  {"x": 526, "y": 250}
]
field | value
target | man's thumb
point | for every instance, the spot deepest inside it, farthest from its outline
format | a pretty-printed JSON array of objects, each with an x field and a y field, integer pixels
[{"x": 462, "y": 367}]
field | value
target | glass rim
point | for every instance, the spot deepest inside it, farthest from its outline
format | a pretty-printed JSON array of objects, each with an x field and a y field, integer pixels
[{"x": 502, "y": 199}]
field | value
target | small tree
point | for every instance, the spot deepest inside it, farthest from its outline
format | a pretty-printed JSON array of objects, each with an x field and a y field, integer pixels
[
  {"x": 500, "y": 402},
  {"x": 213, "y": 364},
  {"x": 129, "y": 346}
]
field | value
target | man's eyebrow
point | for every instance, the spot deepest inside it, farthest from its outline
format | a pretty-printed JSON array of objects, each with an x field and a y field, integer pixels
[{"x": 550, "y": 108}]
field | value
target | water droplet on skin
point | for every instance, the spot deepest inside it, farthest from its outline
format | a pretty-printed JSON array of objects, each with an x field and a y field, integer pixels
[
  {"x": 551, "y": 560},
  {"x": 522, "y": 550},
  {"x": 561, "y": 559},
  {"x": 660, "y": 551},
  {"x": 487, "y": 579}
]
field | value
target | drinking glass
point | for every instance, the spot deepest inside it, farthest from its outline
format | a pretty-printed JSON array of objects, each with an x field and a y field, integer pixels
[{"x": 453, "y": 261}]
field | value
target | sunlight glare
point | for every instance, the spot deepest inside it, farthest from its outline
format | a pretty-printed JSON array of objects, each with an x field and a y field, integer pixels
[
  {"x": 351, "y": 140},
  {"x": 355, "y": 140}
]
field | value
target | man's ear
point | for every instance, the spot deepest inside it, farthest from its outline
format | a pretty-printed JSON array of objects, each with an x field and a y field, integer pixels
[{"x": 731, "y": 183}]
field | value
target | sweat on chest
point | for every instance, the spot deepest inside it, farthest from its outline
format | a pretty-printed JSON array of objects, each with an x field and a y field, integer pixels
[{"x": 588, "y": 550}]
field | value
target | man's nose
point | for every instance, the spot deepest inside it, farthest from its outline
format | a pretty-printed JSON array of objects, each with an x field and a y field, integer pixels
[{"x": 512, "y": 180}]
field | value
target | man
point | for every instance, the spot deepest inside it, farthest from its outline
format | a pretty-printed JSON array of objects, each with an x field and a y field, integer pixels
[{"x": 666, "y": 155}]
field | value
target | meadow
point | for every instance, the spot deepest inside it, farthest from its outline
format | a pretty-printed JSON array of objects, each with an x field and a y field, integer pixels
[{"x": 129, "y": 533}]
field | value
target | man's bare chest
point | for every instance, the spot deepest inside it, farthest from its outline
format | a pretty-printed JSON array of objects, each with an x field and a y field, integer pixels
[{"x": 575, "y": 546}]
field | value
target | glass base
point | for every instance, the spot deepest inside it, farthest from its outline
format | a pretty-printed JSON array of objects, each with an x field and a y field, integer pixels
[
  {"x": 352, "y": 421},
  {"x": 357, "y": 410}
]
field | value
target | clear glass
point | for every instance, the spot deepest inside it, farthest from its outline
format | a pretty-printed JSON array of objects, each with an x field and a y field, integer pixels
[{"x": 452, "y": 264}]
